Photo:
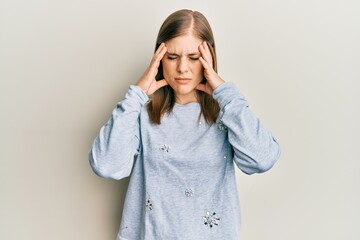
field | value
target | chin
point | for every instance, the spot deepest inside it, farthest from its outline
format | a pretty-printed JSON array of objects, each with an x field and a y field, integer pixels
[
  {"x": 187, "y": 87},
  {"x": 183, "y": 89}
]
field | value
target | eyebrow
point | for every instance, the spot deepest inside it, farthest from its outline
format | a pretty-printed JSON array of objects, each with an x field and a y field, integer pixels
[{"x": 191, "y": 54}]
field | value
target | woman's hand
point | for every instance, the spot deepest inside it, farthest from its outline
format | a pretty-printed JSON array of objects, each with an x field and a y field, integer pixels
[
  {"x": 213, "y": 79},
  {"x": 147, "y": 82}
]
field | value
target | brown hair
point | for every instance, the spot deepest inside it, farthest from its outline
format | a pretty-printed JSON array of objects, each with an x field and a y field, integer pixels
[{"x": 177, "y": 24}]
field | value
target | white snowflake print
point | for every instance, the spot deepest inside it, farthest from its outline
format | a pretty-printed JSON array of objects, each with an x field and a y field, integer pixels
[
  {"x": 149, "y": 205},
  {"x": 166, "y": 148},
  {"x": 211, "y": 219}
]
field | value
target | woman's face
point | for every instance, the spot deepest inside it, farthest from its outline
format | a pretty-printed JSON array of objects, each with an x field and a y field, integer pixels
[{"x": 182, "y": 68}]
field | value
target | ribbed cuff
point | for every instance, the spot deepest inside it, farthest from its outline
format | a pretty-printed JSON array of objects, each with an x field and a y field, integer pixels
[
  {"x": 226, "y": 92},
  {"x": 137, "y": 93}
]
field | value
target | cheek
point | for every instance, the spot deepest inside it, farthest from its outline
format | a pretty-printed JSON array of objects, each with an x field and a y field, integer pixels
[
  {"x": 199, "y": 70},
  {"x": 167, "y": 68}
]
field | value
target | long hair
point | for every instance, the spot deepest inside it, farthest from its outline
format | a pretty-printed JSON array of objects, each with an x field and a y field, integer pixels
[{"x": 177, "y": 24}]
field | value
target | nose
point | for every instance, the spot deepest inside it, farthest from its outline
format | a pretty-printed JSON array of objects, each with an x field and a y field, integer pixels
[{"x": 182, "y": 66}]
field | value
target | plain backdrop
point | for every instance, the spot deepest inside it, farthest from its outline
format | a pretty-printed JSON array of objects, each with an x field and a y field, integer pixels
[{"x": 65, "y": 64}]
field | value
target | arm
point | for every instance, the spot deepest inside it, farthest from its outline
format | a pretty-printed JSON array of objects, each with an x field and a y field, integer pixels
[
  {"x": 255, "y": 149},
  {"x": 113, "y": 150}
]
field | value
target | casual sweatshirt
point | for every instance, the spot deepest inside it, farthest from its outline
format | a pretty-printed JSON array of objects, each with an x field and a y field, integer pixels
[{"x": 182, "y": 173}]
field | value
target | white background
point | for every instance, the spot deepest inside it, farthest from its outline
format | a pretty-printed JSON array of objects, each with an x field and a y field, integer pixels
[{"x": 65, "y": 64}]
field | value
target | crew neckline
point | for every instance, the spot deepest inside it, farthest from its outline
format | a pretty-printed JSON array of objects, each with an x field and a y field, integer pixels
[{"x": 187, "y": 104}]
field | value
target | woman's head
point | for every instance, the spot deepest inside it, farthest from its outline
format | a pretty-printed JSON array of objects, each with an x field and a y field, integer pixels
[
  {"x": 184, "y": 22},
  {"x": 182, "y": 32}
]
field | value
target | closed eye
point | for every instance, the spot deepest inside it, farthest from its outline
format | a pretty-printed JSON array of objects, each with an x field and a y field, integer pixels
[{"x": 173, "y": 58}]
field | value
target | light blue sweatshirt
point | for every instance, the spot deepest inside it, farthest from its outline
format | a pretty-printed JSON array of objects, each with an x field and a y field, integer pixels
[{"x": 182, "y": 175}]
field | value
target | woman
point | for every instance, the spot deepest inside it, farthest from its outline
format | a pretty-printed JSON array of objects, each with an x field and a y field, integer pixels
[{"x": 177, "y": 133}]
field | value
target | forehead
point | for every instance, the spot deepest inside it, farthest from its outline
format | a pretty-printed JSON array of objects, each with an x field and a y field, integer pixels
[{"x": 183, "y": 44}]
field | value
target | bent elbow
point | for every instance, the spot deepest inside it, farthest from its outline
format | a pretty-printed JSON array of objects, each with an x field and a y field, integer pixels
[
  {"x": 265, "y": 165},
  {"x": 270, "y": 159},
  {"x": 103, "y": 170},
  {"x": 259, "y": 164},
  {"x": 256, "y": 167},
  {"x": 96, "y": 167}
]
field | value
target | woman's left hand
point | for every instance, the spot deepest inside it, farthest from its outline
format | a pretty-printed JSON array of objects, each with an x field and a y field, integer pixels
[{"x": 213, "y": 79}]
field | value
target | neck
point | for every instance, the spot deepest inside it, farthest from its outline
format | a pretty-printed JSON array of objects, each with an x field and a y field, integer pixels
[{"x": 186, "y": 99}]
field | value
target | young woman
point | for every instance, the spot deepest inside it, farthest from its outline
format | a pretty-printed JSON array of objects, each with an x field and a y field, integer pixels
[{"x": 177, "y": 133}]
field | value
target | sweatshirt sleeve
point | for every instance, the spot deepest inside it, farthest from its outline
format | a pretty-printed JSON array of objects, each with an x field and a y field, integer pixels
[
  {"x": 255, "y": 149},
  {"x": 118, "y": 143}
]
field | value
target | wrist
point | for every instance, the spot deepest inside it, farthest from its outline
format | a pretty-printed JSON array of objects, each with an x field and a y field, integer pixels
[
  {"x": 217, "y": 82},
  {"x": 141, "y": 87}
]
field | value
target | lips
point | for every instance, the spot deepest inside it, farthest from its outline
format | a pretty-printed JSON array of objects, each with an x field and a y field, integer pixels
[{"x": 183, "y": 80}]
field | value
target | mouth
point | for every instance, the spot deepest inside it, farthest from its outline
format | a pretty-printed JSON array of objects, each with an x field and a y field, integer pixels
[{"x": 183, "y": 80}]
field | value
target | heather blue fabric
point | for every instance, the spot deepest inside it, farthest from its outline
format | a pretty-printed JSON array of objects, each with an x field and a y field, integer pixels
[{"x": 182, "y": 170}]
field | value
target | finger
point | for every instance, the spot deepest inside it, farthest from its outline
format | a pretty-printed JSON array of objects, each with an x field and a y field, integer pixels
[
  {"x": 161, "y": 46},
  {"x": 157, "y": 52},
  {"x": 158, "y": 56},
  {"x": 161, "y": 83},
  {"x": 202, "y": 87},
  {"x": 205, "y": 64},
  {"x": 163, "y": 51},
  {"x": 160, "y": 51},
  {"x": 203, "y": 52},
  {"x": 208, "y": 53}
]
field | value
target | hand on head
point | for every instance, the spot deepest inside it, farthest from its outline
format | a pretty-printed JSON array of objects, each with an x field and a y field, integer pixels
[
  {"x": 147, "y": 82},
  {"x": 213, "y": 79}
]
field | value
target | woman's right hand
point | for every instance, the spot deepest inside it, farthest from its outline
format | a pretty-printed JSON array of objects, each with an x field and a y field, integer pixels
[{"x": 147, "y": 82}]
